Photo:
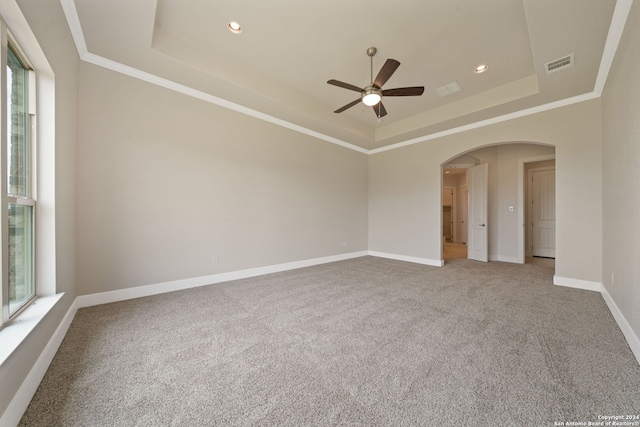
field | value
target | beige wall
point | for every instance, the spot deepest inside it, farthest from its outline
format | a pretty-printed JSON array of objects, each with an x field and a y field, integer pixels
[
  {"x": 50, "y": 28},
  {"x": 404, "y": 188},
  {"x": 166, "y": 181},
  {"x": 621, "y": 175}
]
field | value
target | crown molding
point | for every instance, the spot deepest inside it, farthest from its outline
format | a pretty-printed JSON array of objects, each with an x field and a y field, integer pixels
[{"x": 620, "y": 14}]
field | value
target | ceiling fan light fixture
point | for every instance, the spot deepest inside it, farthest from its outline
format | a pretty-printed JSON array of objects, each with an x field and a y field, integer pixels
[
  {"x": 234, "y": 27},
  {"x": 371, "y": 97}
]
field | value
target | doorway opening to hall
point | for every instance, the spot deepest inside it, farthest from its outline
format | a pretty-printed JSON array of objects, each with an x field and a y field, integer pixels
[
  {"x": 455, "y": 196},
  {"x": 498, "y": 203}
]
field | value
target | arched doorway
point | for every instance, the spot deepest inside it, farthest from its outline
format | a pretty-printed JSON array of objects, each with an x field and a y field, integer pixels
[{"x": 508, "y": 217}]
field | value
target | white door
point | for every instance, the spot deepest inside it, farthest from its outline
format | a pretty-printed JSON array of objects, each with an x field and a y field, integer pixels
[
  {"x": 464, "y": 202},
  {"x": 543, "y": 185},
  {"x": 478, "y": 247}
]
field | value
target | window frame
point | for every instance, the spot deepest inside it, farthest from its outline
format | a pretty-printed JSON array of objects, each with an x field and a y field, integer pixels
[
  {"x": 8, "y": 42},
  {"x": 54, "y": 276}
]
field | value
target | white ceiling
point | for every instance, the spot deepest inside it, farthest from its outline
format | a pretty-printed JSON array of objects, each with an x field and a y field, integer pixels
[{"x": 278, "y": 67}]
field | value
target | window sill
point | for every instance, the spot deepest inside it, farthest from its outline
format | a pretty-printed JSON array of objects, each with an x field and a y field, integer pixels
[{"x": 19, "y": 328}]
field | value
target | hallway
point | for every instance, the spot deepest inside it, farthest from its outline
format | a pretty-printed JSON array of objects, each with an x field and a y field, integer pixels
[{"x": 454, "y": 250}]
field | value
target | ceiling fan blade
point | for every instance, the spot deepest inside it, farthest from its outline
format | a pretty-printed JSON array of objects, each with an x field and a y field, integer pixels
[
  {"x": 386, "y": 72},
  {"x": 349, "y": 105},
  {"x": 344, "y": 85},
  {"x": 404, "y": 91},
  {"x": 379, "y": 110}
]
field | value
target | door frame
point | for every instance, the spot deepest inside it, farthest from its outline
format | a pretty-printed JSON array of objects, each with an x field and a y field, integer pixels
[
  {"x": 472, "y": 223},
  {"x": 520, "y": 256},
  {"x": 528, "y": 250},
  {"x": 464, "y": 225}
]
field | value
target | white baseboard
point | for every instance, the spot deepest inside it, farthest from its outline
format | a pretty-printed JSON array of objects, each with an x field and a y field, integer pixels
[
  {"x": 178, "y": 285},
  {"x": 159, "y": 288},
  {"x": 27, "y": 390},
  {"x": 425, "y": 261},
  {"x": 586, "y": 285},
  {"x": 632, "y": 339},
  {"x": 21, "y": 400}
]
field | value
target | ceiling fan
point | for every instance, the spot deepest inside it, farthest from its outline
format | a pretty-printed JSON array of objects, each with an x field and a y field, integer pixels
[{"x": 373, "y": 93}]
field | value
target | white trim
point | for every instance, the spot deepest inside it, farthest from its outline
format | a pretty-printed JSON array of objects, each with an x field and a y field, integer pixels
[
  {"x": 632, "y": 339},
  {"x": 618, "y": 21},
  {"x": 203, "y": 96},
  {"x": 616, "y": 28},
  {"x": 415, "y": 260},
  {"x": 629, "y": 334},
  {"x": 73, "y": 20},
  {"x": 18, "y": 405},
  {"x": 19, "y": 328},
  {"x": 531, "y": 214},
  {"x": 523, "y": 204},
  {"x": 75, "y": 27},
  {"x": 178, "y": 285},
  {"x": 25, "y": 393},
  {"x": 586, "y": 285},
  {"x": 45, "y": 147},
  {"x": 491, "y": 121}
]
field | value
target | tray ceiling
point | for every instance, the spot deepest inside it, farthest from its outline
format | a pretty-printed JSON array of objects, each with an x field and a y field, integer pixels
[{"x": 277, "y": 68}]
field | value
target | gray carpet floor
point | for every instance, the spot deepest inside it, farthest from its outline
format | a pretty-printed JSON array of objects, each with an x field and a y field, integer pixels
[{"x": 363, "y": 342}]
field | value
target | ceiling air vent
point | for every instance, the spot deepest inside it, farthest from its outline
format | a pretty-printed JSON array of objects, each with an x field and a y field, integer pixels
[
  {"x": 558, "y": 64},
  {"x": 448, "y": 89}
]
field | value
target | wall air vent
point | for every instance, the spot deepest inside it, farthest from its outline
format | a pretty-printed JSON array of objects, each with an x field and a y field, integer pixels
[{"x": 559, "y": 64}]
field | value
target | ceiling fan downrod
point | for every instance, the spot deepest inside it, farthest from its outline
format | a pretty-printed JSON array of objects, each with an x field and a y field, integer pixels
[
  {"x": 371, "y": 53},
  {"x": 371, "y": 95}
]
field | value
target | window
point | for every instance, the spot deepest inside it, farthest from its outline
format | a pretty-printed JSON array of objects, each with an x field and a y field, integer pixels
[
  {"x": 29, "y": 286},
  {"x": 19, "y": 216}
]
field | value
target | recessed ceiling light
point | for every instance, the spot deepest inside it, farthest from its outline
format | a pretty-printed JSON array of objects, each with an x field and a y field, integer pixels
[
  {"x": 481, "y": 69},
  {"x": 234, "y": 27}
]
